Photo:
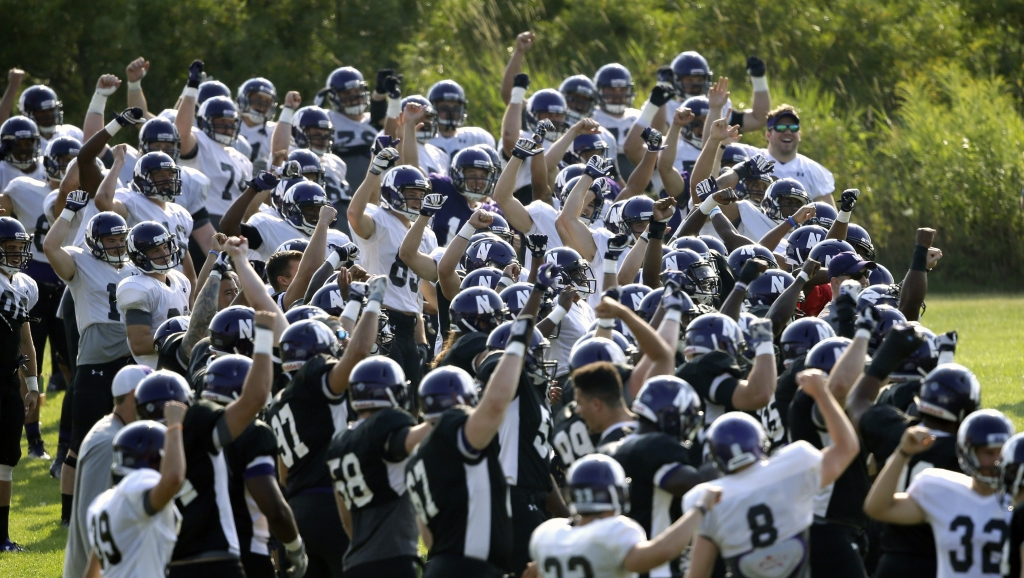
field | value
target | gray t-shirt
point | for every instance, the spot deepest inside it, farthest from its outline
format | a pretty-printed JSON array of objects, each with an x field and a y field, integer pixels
[{"x": 92, "y": 478}]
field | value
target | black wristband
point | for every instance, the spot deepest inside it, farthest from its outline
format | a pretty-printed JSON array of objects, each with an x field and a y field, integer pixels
[
  {"x": 920, "y": 260},
  {"x": 656, "y": 229}
]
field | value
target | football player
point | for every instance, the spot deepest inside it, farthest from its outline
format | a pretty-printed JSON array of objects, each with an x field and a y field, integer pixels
[
  {"x": 147, "y": 300},
  {"x": 307, "y": 414},
  {"x": 20, "y": 153},
  {"x": 615, "y": 94},
  {"x": 310, "y": 128},
  {"x": 767, "y": 503},
  {"x": 449, "y": 100},
  {"x": 968, "y": 513},
  {"x": 207, "y": 148},
  {"x": 133, "y": 526},
  {"x": 346, "y": 97},
  {"x": 41, "y": 104},
  {"x": 92, "y": 472},
  {"x": 473, "y": 177},
  {"x": 256, "y": 501},
  {"x": 92, "y": 275},
  {"x": 417, "y": 122},
  {"x": 257, "y": 100},
  {"x": 373, "y": 504},
  {"x": 379, "y": 230},
  {"x": 658, "y": 458},
  {"x": 18, "y": 295},
  {"x": 455, "y": 477},
  {"x": 599, "y": 540}
]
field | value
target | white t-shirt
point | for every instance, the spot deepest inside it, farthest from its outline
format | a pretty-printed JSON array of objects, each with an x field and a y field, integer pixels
[
  {"x": 379, "y": 256},
  {"x": 94, "y": 288},
  {"x": 227, "y": 169},
  {"x": 465, "y": 137},
  {"x": 561, "y": 549},
  {"x": 544, "y": 217},
  {"x": 27, "y": 195},
  {"x": 764, "y": 510},
  {"x": 960, "y": 516},
  {"x": 128, "y": 541},
  {"x": 259, "y": 141},
  {"x": 160, "y": 300},
  {"x": 9, "y": 172}
]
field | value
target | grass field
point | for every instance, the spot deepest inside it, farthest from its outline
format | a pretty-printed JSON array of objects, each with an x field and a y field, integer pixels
[{"x": 991, "y": 344}]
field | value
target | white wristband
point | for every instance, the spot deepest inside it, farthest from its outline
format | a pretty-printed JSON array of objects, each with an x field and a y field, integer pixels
[
  {"x": 518, "y": 95},
  {"x": 645, "y": 237},
  {"x": 647, "y": 114},
  {"x": 760, "y": 83},
  {"x": 112, "y": 127},
  {"x": 557, "y": 314},
  {"x": 286, "y": 115},
  {"x": 214, "y": 274},
  {"x": 372, "y": 307},
  {"x": 98, "y": 104},
  {"x": 294, "y": 545},
  {"x": 709, "y": 204},
  {"x": 32, "y": 383},
  {"x": 467, "y": 231},
  {"x": 606, "y": 323},
  {"x": 264, "y": 342},
  {"x": 945, "y": 357},
  {"x": 190, "y": 91},
  {"x": 673, "y": 315},
  {"x": 803, "y": 276},
  {"x": 766, "y": 348},
  {"x": 68, "y": 215},
  {"x": 334, "y": 259},
  {"x": 863, "y": 333},
  {"x": 394, "y": 107},
  {"x": 611, "y": 267},
  {"x": 516, "y": 348},
  {"x": 134, "y": 85},
  {"x": 505, "y": 281},
  {"x": 715, "y": 211},
  {"x": 351, "y": 311},
  {"x": 739, "y": 285},
  {"x": 844, "y": 216}
]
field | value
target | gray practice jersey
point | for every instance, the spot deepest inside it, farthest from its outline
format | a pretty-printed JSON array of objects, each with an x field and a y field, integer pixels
[{"x": 100, "y": 322}]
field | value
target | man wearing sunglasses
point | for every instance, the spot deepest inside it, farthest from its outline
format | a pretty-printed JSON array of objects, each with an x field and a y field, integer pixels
[
  {"x": 845, "y": 266},
  {"x": 783, "y": 135}
]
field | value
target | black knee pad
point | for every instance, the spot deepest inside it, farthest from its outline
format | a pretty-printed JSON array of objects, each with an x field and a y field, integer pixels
[{"x": 71, "y": 462}]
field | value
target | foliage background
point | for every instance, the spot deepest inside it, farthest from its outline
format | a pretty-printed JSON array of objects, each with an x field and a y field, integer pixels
[{"x": 915, "y": 102}]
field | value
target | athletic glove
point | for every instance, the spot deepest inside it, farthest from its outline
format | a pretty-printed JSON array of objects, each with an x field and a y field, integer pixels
[
  {"x": 130, "y": 116},
  {"x": 526, "y": 148},
  {"x": 77, "y": 200},
  {"x": 393, "y": 86},
  {"x": 598, "y": 167},
  {"x": 755, "y": 67},
  {"x": 521, "y": 80},
  {"x": 384, "y": 160},
  {"x": 382, "y": 76},
  {"x": 537, "y": 245},
  {"x": 432, "y": 204},
  {"x": 653, "y": 138},
  {"x": 616, "y": 245},
  {"x": 264, "y": 181},
  {"x": 195, "y": 74},
  {"x": 760, "y": 332},
  {"x": 547, "y": 276},
  {"x": 661, "y": 94},
  {"x": 848, "y": 200},
  {"x": 376, "y": 288}
]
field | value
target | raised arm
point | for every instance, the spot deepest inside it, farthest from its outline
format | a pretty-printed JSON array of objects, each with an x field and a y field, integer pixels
[
  {"x": 361, "y": 223},
  {"x": 204, "y": 308},
  {"x": 572, "y": 230},
  {"x": 757, "y": 117},
  {"x": 251, "y": 284},
  {"x": 670, "y": 177},
  {"x": 105, "y": 200},
  {"x": 512, "y": 121},
  {"x": 172, "y": 464},
  {"x": 487, "y": 417},
  {"x": 446, "y": 267},
  {"x": 256, "y": 388},
  {"x": 14, "y": 77},
  {"x": 231, "y": 222},
  {"x": 649, "y": 554},
  {"x": 105, "y": 87},
  {"x": 663, "y": 210},
  {"x": 411, "y": 116},
  {"x": 409, "y": 252},
  {"x": 901, "y": 341},
  {"x": 915, "y": 283},
  {"x": 53, "y": 244},
  {"x": 759, "y": 387},
  {"x": 785, "y": 305},
  {"x": 187, "y": 109},
  {"x": 281, "y": 139},
  {"x": 733, "y": 304},
  {"x": 844, "y": 445},
  {"x": 363, "y": 337},
  {"x": 703, "y": 168},
  {"x": 772, "y": 238},
  {"x": 728, "y": 233},
  {"x": 884, "y": 503},
  {"x": 515, "y": 64},
  {"x": 513, "y": 210},
  {"x": 135, "y": 72},
  {"x": 640, "y": 178},
  {"x": 654, "y": 348},
  {"x": 635, "y": 145},
  {"x": 314, "y": 255}
]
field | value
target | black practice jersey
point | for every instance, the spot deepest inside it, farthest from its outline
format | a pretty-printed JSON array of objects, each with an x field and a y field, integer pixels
[
  {"x": 305, "y": 416},
  {"x": 881, "y": 428},
  {"x": 842, "y": 501},
  {"x": 901, "y": 395},
  {"x": 714, "y": 376},
  {"x": 571, "y": 441},
  {"x": 785, "y": 389},
  {"x": 197, "y": 362},
  {"x": 648, "y": 459},
  {"x": 463, "y": 352},
  {"x": 204, "y": 502},
  {"x": 525, "y": 433},
  {"x": 460, "y": 493},
  {"x": 254, "y": 453},
  {"x": 170, "y": 356},
  {"x": 367, "y": 463},
  {"x": 1011, "y": 548}
]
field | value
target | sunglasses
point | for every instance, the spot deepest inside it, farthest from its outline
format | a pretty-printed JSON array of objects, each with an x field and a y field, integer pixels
[
  {"x": 858, "y": 275},
  {"x": 785, "y": 127}
]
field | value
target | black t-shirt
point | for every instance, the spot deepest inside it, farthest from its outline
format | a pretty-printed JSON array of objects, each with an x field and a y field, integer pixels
[
  {"x": 714, "y": 376},
  {"x": 465, "y": 349},
  {"x": 845, "y": 503},
  {"x": 367, "y": 464},
  {"x": 881, "y": 428},
  {"x": 204, "y": 501},
  {"x": 461, "y": 493},
  {"x": 526, "y": 453},
  {"x": 901, "y": 395},
  {"x": 305, "y": 416},
  {"x": 571, "y": 441},
  {"x": 254, "y": 453}
]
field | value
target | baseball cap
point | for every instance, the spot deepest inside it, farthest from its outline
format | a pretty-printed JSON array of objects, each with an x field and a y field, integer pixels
[
  {"x": 848, "y": 263},
  {"x": 789, "y": 113},
  {"x": 128, "y": 377}
]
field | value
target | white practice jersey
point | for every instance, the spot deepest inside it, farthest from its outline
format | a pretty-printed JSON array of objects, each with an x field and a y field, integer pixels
[
  {"x": 618, "y": 126},
  {"x": 465, "y": 137},
  {"x": 596, "y": 550},
  {"x": 9, "y": 172},
  {"x": 61, "y": 130},
  {"x": 433, "y": 160},
  {"x": 274, "y": 231},
  {"x": 544, "y": 217},
  {"x": 379, "y": 256},
  {"x": 969, "y": 529},
  {"x": 335, "y": 177},
  {"x": 576, "y": 322},
  {"x": 259, "y": 142},
  {"x": 18, "y": 295},
  {"x": 49, "y": 203},
  {"x": 161, "y": 300},
  {"x": 27, "y": 195},
  {"x": 764, "y": 512},
  {"x": 227, "y": 169},
  {"x": 350, "y": 133},
  {"x": 686, "y": 156},
  {"x": 94, "y": 288},
  {"x": 524, "y": 176},
  {"x": 816, "y": 179},
  {"x": 128, "y": 541},
  {"x": 195, "y": 186}
]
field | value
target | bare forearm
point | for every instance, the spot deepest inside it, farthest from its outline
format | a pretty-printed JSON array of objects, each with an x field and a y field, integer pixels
[{"x": 203, "y": 310}]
